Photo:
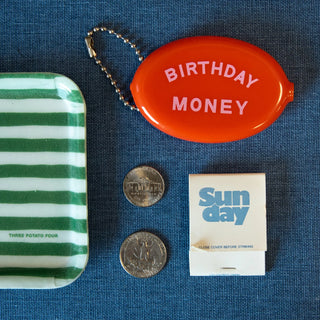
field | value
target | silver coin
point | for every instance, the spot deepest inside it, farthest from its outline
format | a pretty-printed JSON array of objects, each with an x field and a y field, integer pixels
[
  {"x": 143, "y": 186},
  {"x": 143, "y": 254}
]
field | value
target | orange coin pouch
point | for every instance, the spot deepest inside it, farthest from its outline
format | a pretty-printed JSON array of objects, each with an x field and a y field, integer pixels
[{"x": 210, "y": 89}]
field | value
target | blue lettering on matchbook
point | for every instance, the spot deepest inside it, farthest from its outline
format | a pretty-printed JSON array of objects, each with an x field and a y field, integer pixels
[{"x": 224, "y": 206}]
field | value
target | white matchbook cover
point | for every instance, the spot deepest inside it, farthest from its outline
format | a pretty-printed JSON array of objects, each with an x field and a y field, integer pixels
[{"x": 227, "y": 224}]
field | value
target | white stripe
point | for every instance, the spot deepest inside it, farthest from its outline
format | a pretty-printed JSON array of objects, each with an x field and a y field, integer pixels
[
  {"x": 23, "y": 282},
  {"x": 45, "y": 210},
  {"x": 38, "y": 158},
  {"x": 78, "y": 261},
  {"x": 58, "y": 82},
  {"x": 42, "y": 132},
  {"x": 26, "y": 83},
  {"x": 40, "y": 105},
  {"x": 43, "y": 184},
  {"x": 45, "y": 236}
]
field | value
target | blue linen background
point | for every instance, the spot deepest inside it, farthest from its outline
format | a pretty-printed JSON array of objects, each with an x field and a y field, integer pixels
[{"x": 48, "y": 36}]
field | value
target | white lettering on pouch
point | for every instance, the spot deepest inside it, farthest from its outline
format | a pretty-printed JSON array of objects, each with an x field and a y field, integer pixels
[
  {"x": 223, "y": 106},
  {"x": 212, "y": 68}
]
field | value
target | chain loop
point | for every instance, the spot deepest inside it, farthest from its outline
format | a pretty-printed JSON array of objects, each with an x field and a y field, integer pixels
[{"x": 103, "y": 68}]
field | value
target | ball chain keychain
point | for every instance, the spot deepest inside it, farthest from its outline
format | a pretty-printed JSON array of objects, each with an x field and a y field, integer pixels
[
  {"x": 92, "y": 53},
  {"x": 204, "y": 89}
]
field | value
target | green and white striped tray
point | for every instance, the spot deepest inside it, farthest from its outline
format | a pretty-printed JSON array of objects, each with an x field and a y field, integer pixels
[{"x": 43, "y": 189}]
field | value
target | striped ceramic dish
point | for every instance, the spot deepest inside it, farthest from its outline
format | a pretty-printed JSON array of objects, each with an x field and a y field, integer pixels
[{"x": 43, "y": 190}]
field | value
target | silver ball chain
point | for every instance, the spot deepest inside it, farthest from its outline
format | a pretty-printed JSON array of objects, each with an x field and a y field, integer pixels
[{"x": 93, "y": 54}]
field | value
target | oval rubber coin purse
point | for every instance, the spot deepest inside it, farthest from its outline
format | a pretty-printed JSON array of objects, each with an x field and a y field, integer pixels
[{"x": 210, "y": 89}]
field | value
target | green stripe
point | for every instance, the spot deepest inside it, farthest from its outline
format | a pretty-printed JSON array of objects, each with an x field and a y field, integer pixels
[
  {"x": 42, "y": 171},
  {"x": 42, "y": 119},
  {"x": 41, "y": 249},
  {"x": 51, "y": 223},
  {"x": 31, "y": 75},
  {"x": 37, "y": 145},
  {"x": 61, "y": 273},
  {"x": 58, "y": 197},
  {"x": 73, "y": 95}
]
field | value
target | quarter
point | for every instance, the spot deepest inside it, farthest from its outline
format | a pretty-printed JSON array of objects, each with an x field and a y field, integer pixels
[
  {"x": 143, "y": 186},
  {"x": 143, "y": 254}
]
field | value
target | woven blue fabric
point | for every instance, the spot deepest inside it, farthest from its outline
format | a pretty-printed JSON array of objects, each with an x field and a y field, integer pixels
[{"x": 48, "y": 36}]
